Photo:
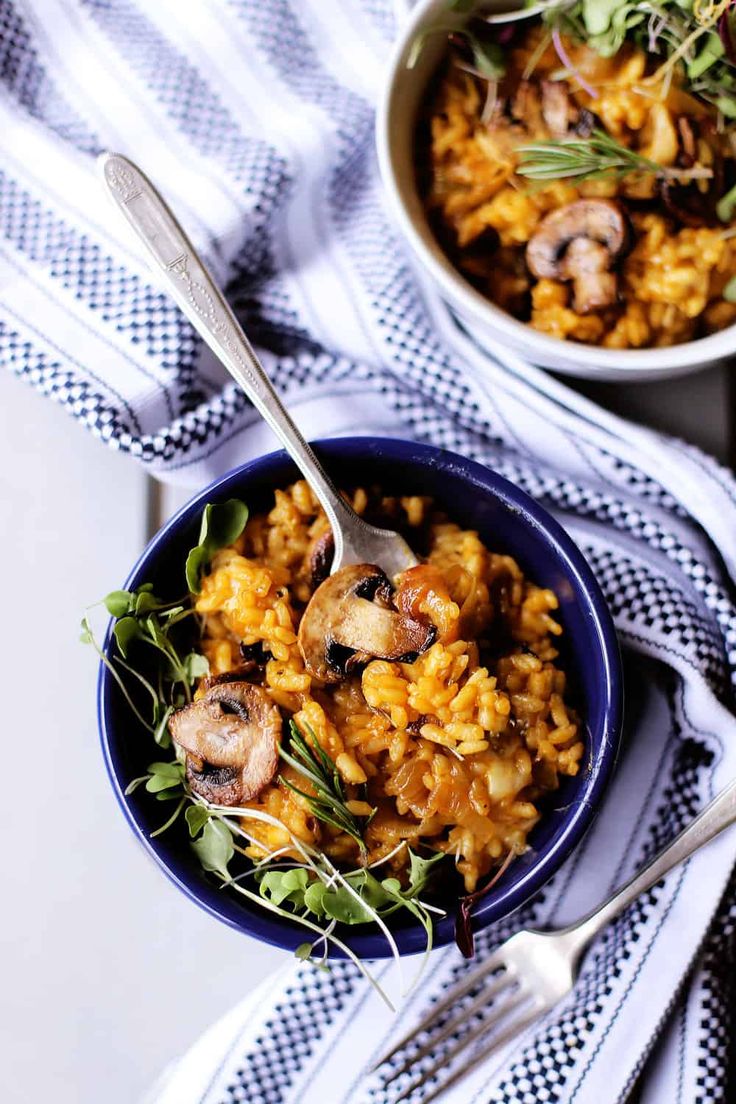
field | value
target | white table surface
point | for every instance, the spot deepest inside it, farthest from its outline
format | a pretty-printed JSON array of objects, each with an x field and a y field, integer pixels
[{"x": 109, "y": 972}]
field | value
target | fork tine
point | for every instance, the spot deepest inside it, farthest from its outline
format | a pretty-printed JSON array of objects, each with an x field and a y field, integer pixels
[
  {"x": 493, "y": 963},
  {"x": 463, "y": 1015},
  {"x": 509, "y": 1033},
  {"x": 483, "y": 1028}
]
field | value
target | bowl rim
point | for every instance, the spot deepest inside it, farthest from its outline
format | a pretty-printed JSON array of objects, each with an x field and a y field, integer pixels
[
  {"x": 687, "y": 356},
  {"x": 506, "y": 899}
]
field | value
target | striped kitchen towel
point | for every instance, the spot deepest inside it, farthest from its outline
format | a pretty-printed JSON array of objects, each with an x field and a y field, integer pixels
[{"x": 255, "y": 118}]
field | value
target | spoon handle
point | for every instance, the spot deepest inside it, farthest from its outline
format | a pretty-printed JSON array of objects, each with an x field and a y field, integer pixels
[{"x": 196, "y": 293}]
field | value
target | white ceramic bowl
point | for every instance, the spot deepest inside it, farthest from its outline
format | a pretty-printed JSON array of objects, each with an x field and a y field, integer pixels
[{"x": 396, "y": 127}]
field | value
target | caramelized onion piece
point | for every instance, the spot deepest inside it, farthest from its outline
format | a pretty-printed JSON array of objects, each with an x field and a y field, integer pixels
[
  {"x": 231, "y": 738},
  {"x": 350, "y": 619},
  {"x": 422, "y": 591}
]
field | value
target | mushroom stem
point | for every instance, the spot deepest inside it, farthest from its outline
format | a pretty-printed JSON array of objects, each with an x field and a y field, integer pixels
[{"x": 580, "y": 243}]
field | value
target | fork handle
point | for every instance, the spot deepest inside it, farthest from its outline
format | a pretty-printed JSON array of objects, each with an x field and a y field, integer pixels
[
  {"x": 719, "y": 814},
  {"x": 192, "y": 287}
]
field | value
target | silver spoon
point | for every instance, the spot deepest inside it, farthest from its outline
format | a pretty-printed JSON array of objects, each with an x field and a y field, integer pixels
[{"x": 192, "y": 287}]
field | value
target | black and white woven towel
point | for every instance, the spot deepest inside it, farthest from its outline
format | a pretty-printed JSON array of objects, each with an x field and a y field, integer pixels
[{"x": 255, "y": 118}]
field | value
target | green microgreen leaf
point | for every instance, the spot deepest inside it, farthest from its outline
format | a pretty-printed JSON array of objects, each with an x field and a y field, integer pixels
[
  {"x": 125, "y": 632},
  {"x": 392, "y": 886},
  {"x": 314, "y": 896},
  {"x": 133, "y": 786},
  {"x": 146, "y": 602},
  {"x": 197, "y": 559},
  {"x": 488, "y": 56},
  {"x": 196, "y": 817},
  {"x": 303, "y": 952},
  {"x": 598, "y": 14},
  {"x": 727, "y": 205},
  {"x": 88, "y": 637},
  {"x": 726, "y": 105},
  {"x": 421, "y": 870},
  {"x": 161, "y": 732},
  {"x": 163, "y": 779},
  {"x": 222, "y": 523},
  {"x": 285, "y": 885},
  {"x": 341, "y": 905},
  {"x": 196, "y": 666},
  {"x": 729, "y": 291},
  {"x": 118, "y": 602},
  {"x": 369, "y": 888},
  {"x": 710, "y": 51},
  {"x": 170, "y": 769},
  {"x": 214, "y": 848}
]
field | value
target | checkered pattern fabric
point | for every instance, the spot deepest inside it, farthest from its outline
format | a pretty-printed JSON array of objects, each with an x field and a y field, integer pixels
[{"x": 255, "y": 117}]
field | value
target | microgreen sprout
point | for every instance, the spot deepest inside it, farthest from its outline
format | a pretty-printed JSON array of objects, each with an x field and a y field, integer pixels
[{"x": 222, "y": 523}]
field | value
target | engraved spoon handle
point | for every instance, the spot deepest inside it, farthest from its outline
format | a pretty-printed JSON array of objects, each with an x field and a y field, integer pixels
[{"x": 196, "y": 293}]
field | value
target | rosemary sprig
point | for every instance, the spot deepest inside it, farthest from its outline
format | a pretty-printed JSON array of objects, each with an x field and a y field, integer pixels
[
  {"x": 328, "y": 802},
  {"x": 593, "y": 158}
]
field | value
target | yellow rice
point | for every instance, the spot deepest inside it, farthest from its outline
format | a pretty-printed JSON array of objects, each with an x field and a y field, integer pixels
[
  {"x": 454, "y": 751},
  {"x": 672, "y": 280}
]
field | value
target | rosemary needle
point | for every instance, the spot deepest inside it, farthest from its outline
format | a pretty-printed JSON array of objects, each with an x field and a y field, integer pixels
[
  {"x": 328, "y": 802},
  {"x": 592, "y": 158}
]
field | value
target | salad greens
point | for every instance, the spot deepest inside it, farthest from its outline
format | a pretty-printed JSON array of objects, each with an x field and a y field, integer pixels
[
  {"x": 692, "y": 34},
  {"x": 140, "y": 617}
]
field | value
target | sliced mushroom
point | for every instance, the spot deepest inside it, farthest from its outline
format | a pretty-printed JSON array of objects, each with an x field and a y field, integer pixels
[
  {"x": 350, "y": 619},
  {"x": 320, "y": 558},
  {"x": 580, "y": 243},
  {"x": 695, "y": 203},
  {"x": 526, "y": 107},
  {"x": 586, "y": 123},
  {"x": 231, "y": 738},
  {"x": 558, "y": 110}
]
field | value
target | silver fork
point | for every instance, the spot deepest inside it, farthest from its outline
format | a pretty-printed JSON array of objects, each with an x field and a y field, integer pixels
[
  {"x": 194, "y": 290},
  {"x": 529, "y": 974}
]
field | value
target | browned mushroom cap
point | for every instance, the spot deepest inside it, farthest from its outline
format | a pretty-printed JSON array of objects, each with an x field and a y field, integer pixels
[
  {"x": 320, "y": 557},
  {"x": 350, "y": 620},
  {"x": 231, "y": 737},
  {"x": 580, "y": 243},
  {"x": 695, "y": 203}
]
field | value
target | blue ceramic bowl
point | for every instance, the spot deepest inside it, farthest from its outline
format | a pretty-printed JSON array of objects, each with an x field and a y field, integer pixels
[{"x": 508, "y": 520}]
